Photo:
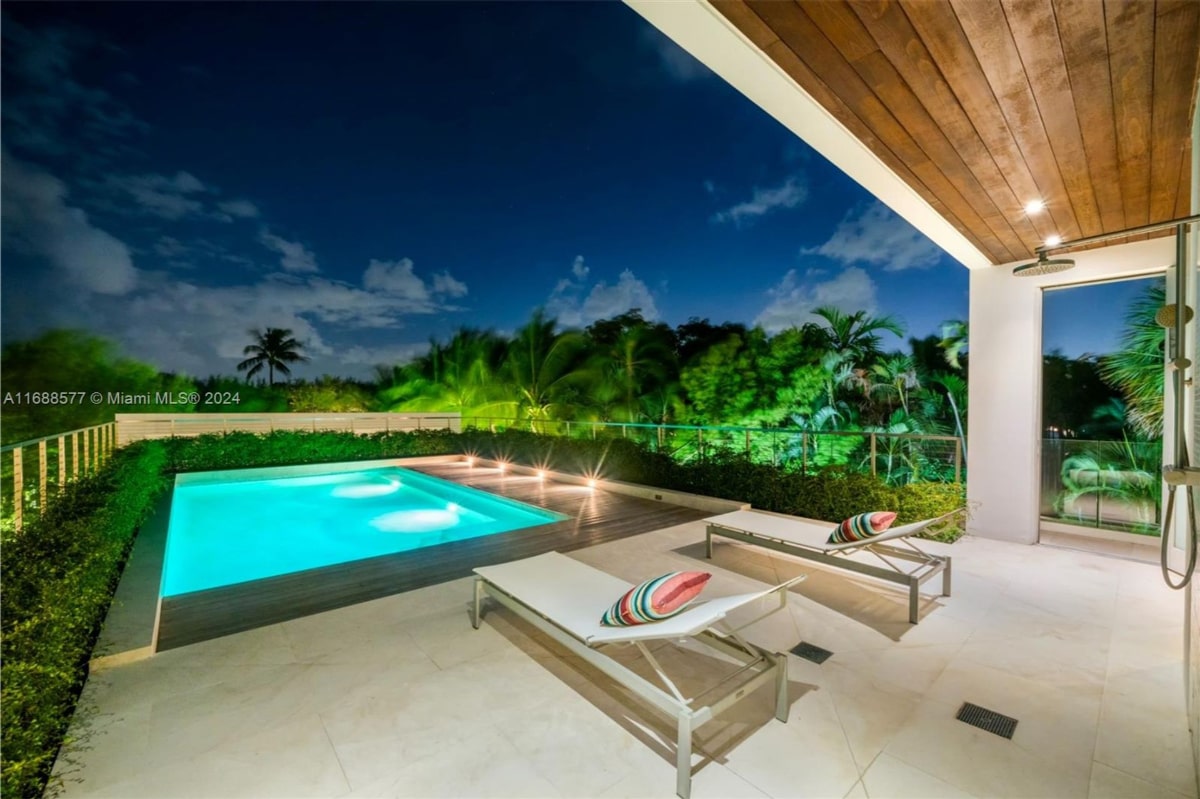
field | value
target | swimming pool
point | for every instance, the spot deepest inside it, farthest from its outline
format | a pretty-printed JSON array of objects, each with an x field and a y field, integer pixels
[{"x": 234, "y": 527}]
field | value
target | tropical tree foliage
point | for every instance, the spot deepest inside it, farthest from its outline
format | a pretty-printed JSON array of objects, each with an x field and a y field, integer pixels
[
  {"x": 275, "y": 349},
  {"x": 67, "y": 379},
  {"x": 1136, "y": 369}
]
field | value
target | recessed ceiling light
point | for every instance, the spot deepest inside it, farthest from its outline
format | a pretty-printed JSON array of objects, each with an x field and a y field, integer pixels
[
  {"x": 1053, "y": 241},
  {"x": 1035, "y": 206}
]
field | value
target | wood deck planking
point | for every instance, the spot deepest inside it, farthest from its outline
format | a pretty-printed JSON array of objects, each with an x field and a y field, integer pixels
[{"x": 595, "y": 517}]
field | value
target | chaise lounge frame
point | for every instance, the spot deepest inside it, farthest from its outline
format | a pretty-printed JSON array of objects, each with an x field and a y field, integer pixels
[
  {"x": 807, "y": 539},
  {"x": 509, "y": 583}
]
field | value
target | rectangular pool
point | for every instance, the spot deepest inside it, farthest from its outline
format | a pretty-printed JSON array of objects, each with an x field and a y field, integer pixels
[{"x": 249, "y": 524}]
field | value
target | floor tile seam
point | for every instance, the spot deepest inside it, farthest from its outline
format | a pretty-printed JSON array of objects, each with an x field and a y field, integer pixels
[
  {"x": 341, "y": 766},
  {"x": 941, "y": 672},
  {"x": 846, "y": 737},
  {"x": 859, "y": 784},
  {"x": 911, "y": 765},
  {"x": 1138, "y": 777},
  {"x": 1052, "y": 764},
  {"x": 1053, "y": 760},
  {"x": 490, "y": 726}
]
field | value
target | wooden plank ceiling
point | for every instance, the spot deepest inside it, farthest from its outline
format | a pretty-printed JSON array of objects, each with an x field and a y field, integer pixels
[{"x": 985, "y": 105}]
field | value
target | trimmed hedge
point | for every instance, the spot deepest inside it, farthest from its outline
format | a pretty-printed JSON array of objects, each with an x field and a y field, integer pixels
[
  {"x": 833, "y": 494},
  {"x": 60, "y": 573},
  {"x": 290, "y": 447}
]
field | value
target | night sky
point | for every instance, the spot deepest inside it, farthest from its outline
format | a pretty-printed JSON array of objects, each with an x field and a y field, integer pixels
[{"x": 371, "y": 175}]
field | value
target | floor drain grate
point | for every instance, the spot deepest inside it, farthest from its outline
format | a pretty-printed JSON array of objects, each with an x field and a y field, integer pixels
[
  {"x": 988, "y": 720},
  {"x": 811, "y": 652}
]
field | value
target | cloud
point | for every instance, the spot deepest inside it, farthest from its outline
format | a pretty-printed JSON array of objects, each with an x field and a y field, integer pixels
[
  {"x": 677, "y": 63},
  {"x": 398, "y": 280},
  {"x": 38, "y": 222},
  {"x": 295, "y": 258},
  {"x": 576, "y": 304},
  {"x": 46, "y": 110},
  {"x": 579, "y": 269},
  {"x": 187, "y": 326},
  {"x": 789, "y": 194},
  {"x": 710, "y": 188},
  {"x": 876, "y": 235},
  {"x": 241, "y": 209},
  {"x": 160, "y": 195},
  {"x": 792, "y": 301},
  {"x": 445, "y": 283}
]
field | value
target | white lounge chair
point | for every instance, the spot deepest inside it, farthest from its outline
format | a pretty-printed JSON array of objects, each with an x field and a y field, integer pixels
[
  {"x": 810, "y": 540},
  {"x": 566, "y": 599}
]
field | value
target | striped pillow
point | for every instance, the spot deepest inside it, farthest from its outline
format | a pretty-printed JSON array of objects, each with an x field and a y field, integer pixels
[
  {"x": 655, "y": 599},
  {"x": 862, "y": 526}
]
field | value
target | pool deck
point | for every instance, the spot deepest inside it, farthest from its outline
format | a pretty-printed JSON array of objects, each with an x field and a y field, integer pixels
[
  {"x": 595, "y": 516},
  {"x": 400, "y": 697}
]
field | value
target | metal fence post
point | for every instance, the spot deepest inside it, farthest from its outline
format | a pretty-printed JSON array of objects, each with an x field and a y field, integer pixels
[
  {"x": 873, "y": 471},
  {"x": 957, "y": 461},
  {"x": 62, "y": 461}
]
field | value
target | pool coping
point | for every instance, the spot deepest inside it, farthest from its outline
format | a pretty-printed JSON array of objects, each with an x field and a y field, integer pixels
[{"x": 131, "y": 630}]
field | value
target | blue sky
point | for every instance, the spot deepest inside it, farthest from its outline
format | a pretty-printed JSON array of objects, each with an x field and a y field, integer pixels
[{"x": 375, "y": 174}]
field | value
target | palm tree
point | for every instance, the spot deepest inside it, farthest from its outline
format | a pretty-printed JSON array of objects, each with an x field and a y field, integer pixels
[
  {"x": 899, "y": 375},
  {"x": 274, "y": 349},
  {"x": 638, "y": 361},
  {"x": 954, "y": 341},
  {"x": 1136, "y": 369},
  {"x": 545, "y": 368},
  {"x": 855, "y": 334},
  {"x": 459, "y": 376}
]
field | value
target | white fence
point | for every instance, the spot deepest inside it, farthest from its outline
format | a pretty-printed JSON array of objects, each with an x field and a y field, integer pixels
[{"x": 138, "y": 426}]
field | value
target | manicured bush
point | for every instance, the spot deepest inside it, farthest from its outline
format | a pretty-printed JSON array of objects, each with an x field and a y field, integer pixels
[
  {"x": 60, "y": 573},
  {"x": 290, "y": 447},
  {"x": 832, "y": 494}
]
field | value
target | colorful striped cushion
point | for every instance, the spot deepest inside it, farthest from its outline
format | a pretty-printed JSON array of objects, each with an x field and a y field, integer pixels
[
  {"x": 862, "y": 526},
  {"x": 656, "y": 599}
]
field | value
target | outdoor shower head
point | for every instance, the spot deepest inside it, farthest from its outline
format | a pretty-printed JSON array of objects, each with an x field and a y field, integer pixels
[
  {"x": 1165, "y": 317},
  {"x": 1043, "y": 266}
]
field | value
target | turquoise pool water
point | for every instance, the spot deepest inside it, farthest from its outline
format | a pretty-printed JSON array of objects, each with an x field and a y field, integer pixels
[{"x": 233, "y": 527}]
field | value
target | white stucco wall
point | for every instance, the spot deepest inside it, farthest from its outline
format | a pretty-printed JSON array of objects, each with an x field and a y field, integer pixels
[{"x": 1004, "y": 419}]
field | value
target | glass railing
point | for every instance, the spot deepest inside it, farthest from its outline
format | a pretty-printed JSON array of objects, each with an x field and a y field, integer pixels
[
  {"x": 1111, "y": 485},
  {"x": 897, "y": 457}
]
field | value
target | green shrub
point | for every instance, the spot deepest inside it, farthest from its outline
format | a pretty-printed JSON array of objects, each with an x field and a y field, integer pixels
[
  {"x": 290, "y": 447},
  {"x": 832, "y": 494},
  {"x": 60, "y": 573}
]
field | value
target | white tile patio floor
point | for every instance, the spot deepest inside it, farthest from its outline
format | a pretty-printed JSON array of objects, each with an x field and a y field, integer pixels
[{"x": 400, "y": 697}]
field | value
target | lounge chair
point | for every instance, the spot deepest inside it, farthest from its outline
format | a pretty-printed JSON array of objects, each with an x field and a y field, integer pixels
[
  {"x": 810, "y": 540},
  {"x": 566, "y": 599}
]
